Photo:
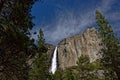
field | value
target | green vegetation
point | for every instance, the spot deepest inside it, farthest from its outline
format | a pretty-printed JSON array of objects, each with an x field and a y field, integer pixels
[
  {"x": 111, "y": 56},
  {"x": 39, "y": 68},
  {"x": 83, "y": 71},
  {"x": 21, "y": 59},
  {"x": 15, "y": 44}
]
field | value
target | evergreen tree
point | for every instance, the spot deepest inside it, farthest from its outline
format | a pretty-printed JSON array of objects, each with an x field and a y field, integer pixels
[
  {"x": 15, "y": 45},
  {"x": 83, "y": 71},
  {"x": 86, "y": 70},
  {"x": 69, "y": 75},
  {"x": 57, "y": 76},
  {"x": 39, "y": 69},
  {"x": 110, "y": 56},
  {"x": 41, "y": 40}
]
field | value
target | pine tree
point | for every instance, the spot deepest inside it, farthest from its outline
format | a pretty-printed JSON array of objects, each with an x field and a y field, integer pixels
[
  {"x": 39, "y": 69},
  {"x": 110, "y": 56},
  {"x": 86, "y": 70},
  {"x": 83, "y": 71},
  {"x": 57, "y": 76},
  {"x": 69, "y": 75},
  {"x": 41, "y": 40},
  {"x": 15, "y": 45}
]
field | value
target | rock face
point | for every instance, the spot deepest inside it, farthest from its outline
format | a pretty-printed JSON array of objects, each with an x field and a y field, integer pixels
[
  {"x": 50, "y": 51},
  {"x": 70, "y": 49}
]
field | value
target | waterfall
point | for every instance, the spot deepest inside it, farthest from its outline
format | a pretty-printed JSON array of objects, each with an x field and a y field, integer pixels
[{"x": 54, "y": 62}]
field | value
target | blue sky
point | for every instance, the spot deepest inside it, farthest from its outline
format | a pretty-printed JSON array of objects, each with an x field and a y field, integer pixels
[{"x": 63, "y": 18}]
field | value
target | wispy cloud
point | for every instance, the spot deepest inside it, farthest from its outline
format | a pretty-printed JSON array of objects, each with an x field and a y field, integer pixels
[
  {"x": 106, "y": 5},
  {"x": 67, "y": 23}
]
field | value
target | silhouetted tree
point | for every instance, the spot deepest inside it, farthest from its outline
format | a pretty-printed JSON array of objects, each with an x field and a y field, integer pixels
[{"x": 15, "y": 44}]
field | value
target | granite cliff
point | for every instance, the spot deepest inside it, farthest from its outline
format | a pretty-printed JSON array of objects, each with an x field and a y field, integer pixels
[{"x": 71, "y": 48}]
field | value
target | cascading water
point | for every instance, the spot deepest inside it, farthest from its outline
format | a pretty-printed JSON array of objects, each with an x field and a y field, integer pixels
[{"x": 54, "y": 62}]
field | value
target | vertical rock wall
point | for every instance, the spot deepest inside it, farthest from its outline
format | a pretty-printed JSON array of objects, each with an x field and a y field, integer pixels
[{"x": 71, "y": 48}]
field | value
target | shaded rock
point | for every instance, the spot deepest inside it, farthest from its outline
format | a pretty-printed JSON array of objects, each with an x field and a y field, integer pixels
[{"x": 50, "y": 52}]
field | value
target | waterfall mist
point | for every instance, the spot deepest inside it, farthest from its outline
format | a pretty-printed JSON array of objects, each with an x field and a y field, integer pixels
[{"x": 54, "y": 62}]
